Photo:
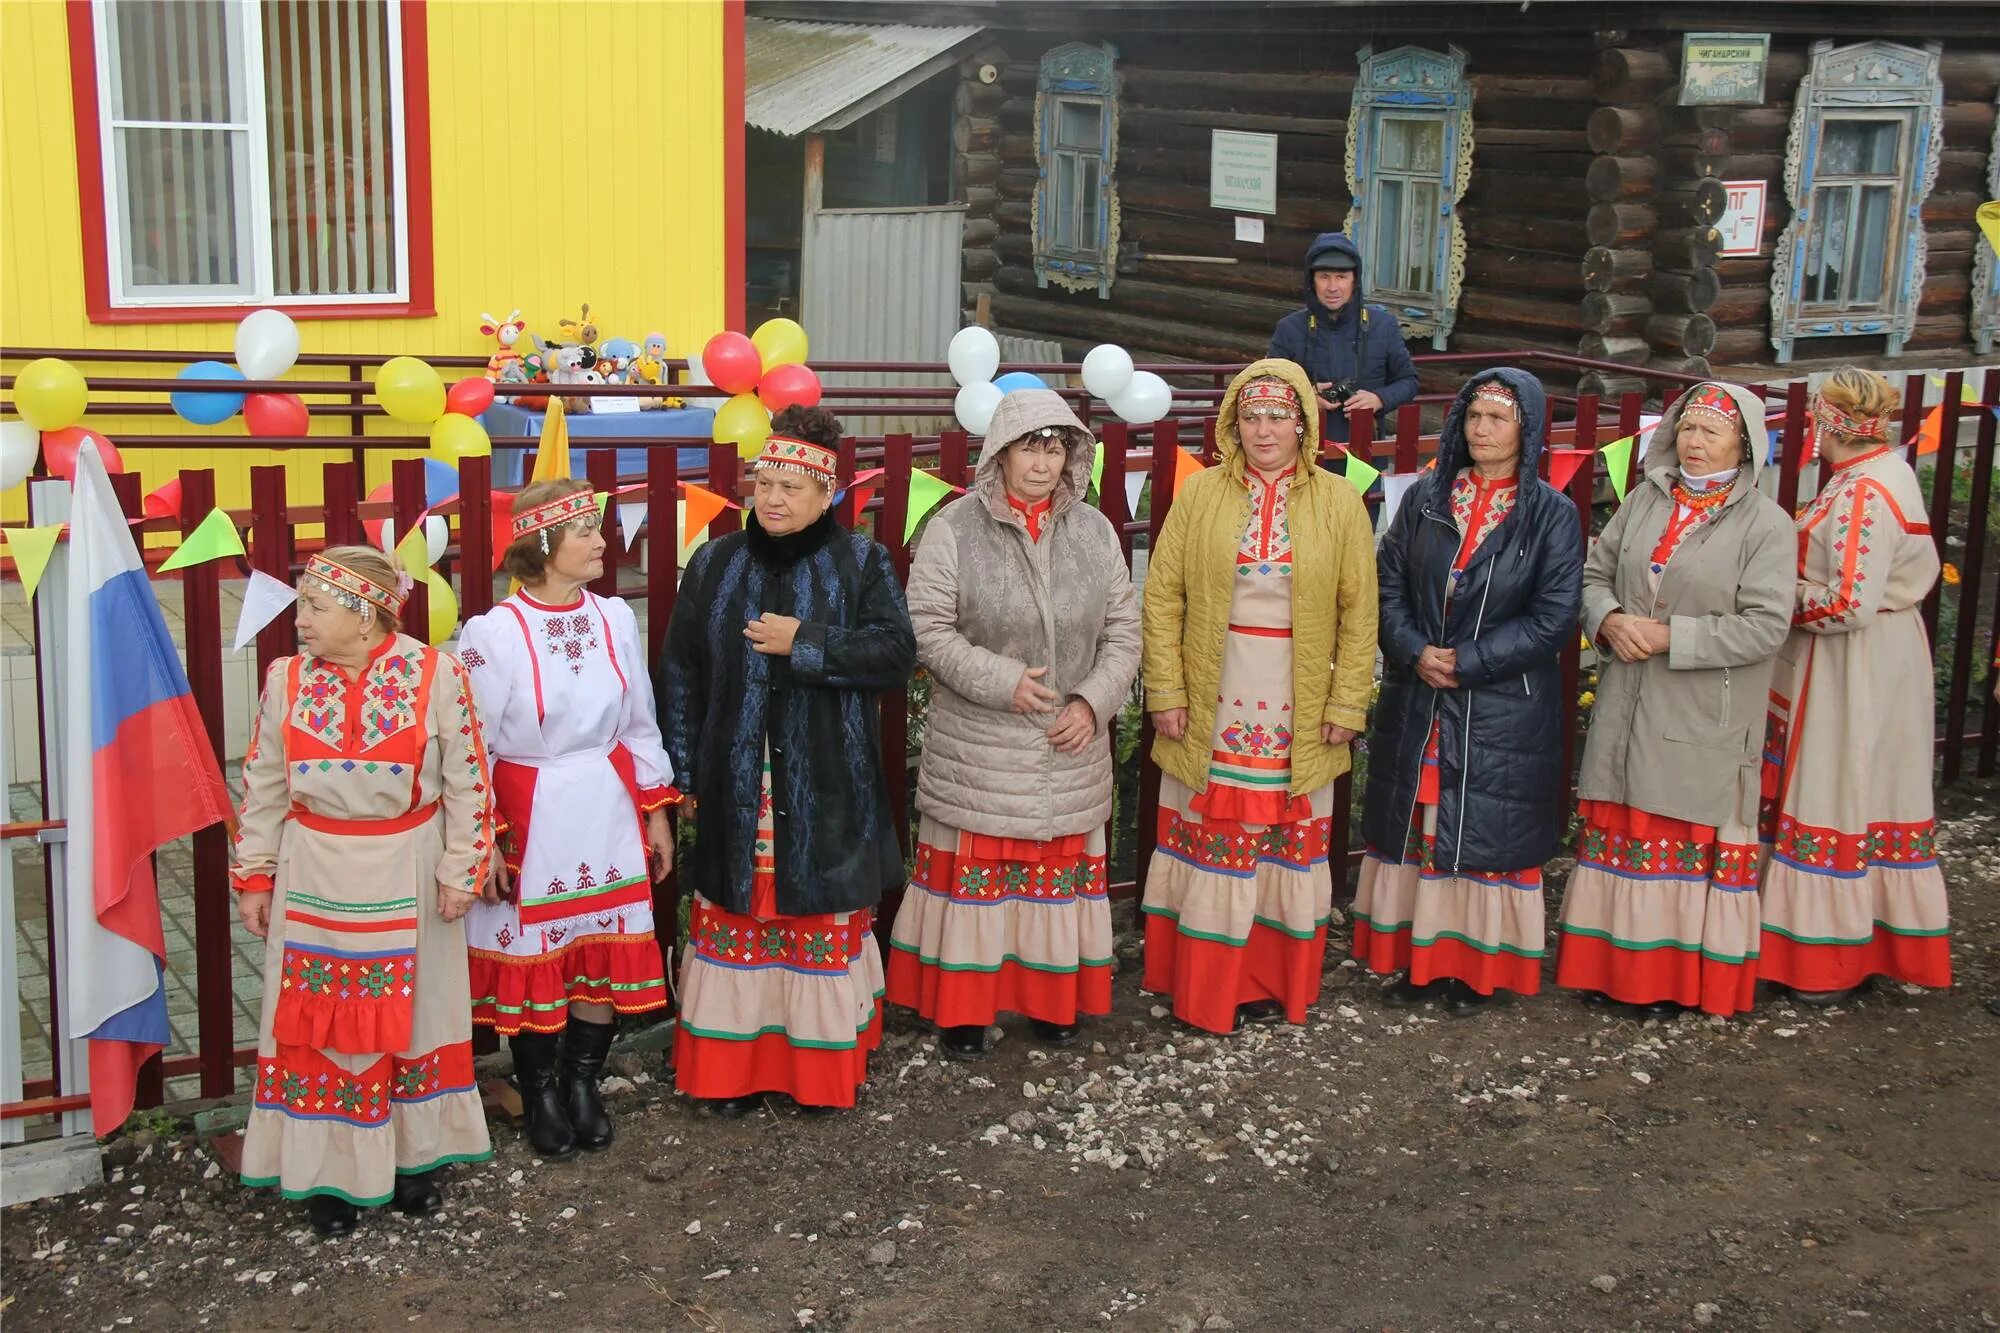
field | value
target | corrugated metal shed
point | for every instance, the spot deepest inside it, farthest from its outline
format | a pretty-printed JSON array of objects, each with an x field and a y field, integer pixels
[{"x": 800, "y": 77}]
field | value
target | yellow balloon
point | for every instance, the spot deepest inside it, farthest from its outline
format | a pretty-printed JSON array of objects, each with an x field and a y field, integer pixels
[
  {"x": 443, "y": 606},
  {"x": 781, "y": 342},
  {"x": 50, "y": 394},
  {"x": 743, "y": 422},
  {"x": 410, "y": 391},
  {"x": 457, "y": 436}
]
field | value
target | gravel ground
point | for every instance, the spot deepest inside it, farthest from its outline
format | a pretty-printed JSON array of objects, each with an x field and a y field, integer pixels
[{"x": 1541, "y": 1166}]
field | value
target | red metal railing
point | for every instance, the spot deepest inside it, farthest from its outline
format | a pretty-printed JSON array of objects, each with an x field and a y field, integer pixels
[{"x": 274, "y": 546}]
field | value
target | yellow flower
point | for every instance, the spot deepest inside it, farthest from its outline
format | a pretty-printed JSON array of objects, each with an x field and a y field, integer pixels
[
  {"x": 1951, "y": 575},
  {"x": 1586, "y": 699}
]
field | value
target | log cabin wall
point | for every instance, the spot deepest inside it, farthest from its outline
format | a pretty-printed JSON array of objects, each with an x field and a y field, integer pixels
[
  {"x": 1749, "y": 143},
  {"x": 1523, "y": 213}
]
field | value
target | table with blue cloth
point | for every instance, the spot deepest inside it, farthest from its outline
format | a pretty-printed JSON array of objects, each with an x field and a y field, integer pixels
[{"x": 509, "y": 461}]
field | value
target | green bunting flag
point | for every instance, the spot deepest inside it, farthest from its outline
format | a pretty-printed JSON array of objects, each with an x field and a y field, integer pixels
[
  {"x": 1618, "y": 462},
  {"x": 927, "y": 492},
  {"x": 1097, "y": 469},
  {"x": 214, "y": 538},
  {"x": 1361, "y": 472}
]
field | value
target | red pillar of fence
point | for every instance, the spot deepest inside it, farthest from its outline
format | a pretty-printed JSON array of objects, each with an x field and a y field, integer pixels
[
  {"x": 271, "y": 552},
  {"x": 954, "y": 457},
  {"x": 1582, "y": 488},
  {"x": 602, "y": 469},
  {"x": 1111, "y": 483},
  {"x": 1409, "y": 430},
  {"x": 1912, "y": 415},
  {"x": 725, "y": 478},
  {"x": 406, "y": 477},
  {"x": 214, "y": 916},
  {"x": 475, "y": 535},
  {"x": 1792, "y": 446},
  {"x": 1166, "y": 445},
  {"x": 1943, "y": 473},
  {"x": 1968, "y": 664},
  {"x": 896, "y": 451},
  {"x": 662, "y": 557},
  {"x": 341, "y": 485}
]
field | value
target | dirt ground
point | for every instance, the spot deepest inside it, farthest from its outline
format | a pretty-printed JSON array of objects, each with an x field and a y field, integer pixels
[{"x": 1541, "y": 1166}]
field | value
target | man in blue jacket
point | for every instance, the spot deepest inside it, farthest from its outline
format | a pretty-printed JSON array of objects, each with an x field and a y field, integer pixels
[{"x": 1353, "y": 351}]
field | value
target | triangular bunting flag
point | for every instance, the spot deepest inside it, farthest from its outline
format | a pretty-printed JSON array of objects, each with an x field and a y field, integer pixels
[
  {"x": 701, "y": 507},
  {"x": 1988, "y": 215},
  {"x": 1097, "y": 469},
  {"x": 1617, "y": 461},
  {"x": 858, "y": 493},
  {"x": 552, "y": 451},
  {"x": 1185, "y": 466},
  {"x": 630, "y": 517},
  {"x": 1395, "y": 488},
  {"x": 503, "y": 526},
  {"x": 213, "y": 539},
  {"x": 264, "y": 600},
  {"x": 165, "y": 502},
  {"x": 603, "y": 502},
  {"x": 1361, "y": 472},
  {"x": 1563, "y": 464},
  {"x": 927, "y": 492},
  {"x": 413, "y": 552},
  {"x": 1931, "y": 431},
  {"x": 31, "y": 548},
  {"x": 1135, "y": 486}
]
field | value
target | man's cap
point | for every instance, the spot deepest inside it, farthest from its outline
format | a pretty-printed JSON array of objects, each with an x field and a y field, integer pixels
[{"x": 1334, "y": 261}]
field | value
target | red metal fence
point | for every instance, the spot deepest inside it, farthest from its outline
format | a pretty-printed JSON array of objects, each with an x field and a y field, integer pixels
[{"x": 274, "y": 544}]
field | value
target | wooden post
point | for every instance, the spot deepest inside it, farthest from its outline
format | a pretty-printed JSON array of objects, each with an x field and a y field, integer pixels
[
  {"x": 214, "y": 910},
  {"x": 1792, "y": 447},
  {"x": 475, "y": 535},
  {"x": 1943, "y": 472},
  {"x": 271, "y": 552},
  {"x": 602, "y": 469},
  {"x": 1166, "y": 444},
  {"x": 662, "y": 556},
  {"x": 407, "y": 478},
  {"x": 1965, "y": 664}
]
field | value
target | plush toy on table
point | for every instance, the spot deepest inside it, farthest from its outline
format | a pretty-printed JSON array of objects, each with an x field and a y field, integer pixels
[
  {"x": 615, "y": 358},
  {"x": 651, "y": 368},
  {"x": 581, "y": 330},
  {"x": 507, "y": 332}
]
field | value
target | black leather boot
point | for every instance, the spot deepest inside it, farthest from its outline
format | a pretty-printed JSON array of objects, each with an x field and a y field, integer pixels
[
  {"x": 584, "y": 1047},
  {"x": 549, "y": 1131},
  {"x": 330, "y": 1214},
  {"x": 963, "y": 1043},
  {"x": 418, "y": 1195}
]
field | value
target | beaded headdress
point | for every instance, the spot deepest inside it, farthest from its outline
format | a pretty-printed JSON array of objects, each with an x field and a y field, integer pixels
[
  {"x": 1715, "y": 401},
  {"x": 1268, "y": 397},
  {"x": 1497, "y": 391},
  {"x": 355, "y": 591},
  {"x": 783, "y": 453},
  {"x": 1827, "y": 417}
]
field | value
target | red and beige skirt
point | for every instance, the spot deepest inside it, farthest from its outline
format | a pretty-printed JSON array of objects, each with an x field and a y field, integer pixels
[{"x": 1003, "y": 925}]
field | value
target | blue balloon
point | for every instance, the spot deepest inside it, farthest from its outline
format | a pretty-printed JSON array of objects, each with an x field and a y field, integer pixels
[
  {"x": 1019, "y": 379},
  {"x": 207, "y": 409},
  {"x": 440, "y": 482}
]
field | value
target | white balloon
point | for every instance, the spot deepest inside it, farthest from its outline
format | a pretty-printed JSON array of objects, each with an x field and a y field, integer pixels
[
  {"x": 697, "y": 373},
  {"x": 975, "y": 404},
  {"x": 19, "y": 443},
  {"x": 436, "y": 533},
  {"x": 1146, "y": 399},
  {"x": 974, "y": 356},
  {"x": 267, "y": 344},
  {"x": 1107, "y": 370}
]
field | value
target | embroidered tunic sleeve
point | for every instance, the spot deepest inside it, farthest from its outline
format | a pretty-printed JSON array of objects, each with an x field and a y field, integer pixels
[
  {"x": 1853, "y": 536},
  {"x": 260, "y": 823},
  {"x": 468, "y": 785},
  {"x": 638, "y": 726}
]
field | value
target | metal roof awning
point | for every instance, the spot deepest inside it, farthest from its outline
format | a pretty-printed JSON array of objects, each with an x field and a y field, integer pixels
[{"x": 803, "y": 77}]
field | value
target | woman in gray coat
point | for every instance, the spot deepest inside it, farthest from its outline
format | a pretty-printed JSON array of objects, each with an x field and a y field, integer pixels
[
  {"x": 1028, "y": 625},
  {"x": 1688, "y": 597}
]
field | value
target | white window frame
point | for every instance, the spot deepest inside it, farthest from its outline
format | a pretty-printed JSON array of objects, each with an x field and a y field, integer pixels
[{"x": 260, "y": 288}]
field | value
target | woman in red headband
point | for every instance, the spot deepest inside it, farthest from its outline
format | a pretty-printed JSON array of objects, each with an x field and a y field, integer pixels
[
  {"x": 365, "y": 836},
  {"x": 1852, "y": 889},
  {"x": 1687, "y": 595},
  {"x": 564, "y": 943}
]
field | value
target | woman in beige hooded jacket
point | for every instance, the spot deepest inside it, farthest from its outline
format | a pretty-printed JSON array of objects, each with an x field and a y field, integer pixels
[
  {"x": 1026, "y": 619},
  {"x": 1688, "y": 596}
]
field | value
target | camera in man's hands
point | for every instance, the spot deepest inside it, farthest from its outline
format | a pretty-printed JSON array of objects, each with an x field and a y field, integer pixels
[{"x": 1338, "y": 392}]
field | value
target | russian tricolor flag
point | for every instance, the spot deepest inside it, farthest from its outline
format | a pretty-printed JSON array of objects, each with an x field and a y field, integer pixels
[{"x": 138, "y": 772}]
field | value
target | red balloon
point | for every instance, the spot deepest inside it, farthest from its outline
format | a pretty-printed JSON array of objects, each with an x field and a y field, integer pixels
[
  {"x": 373, "y": 526},
  {"x": 269, "y": 414},
  {"x": 59, "y": 449},
  {"x": 733, "y": 363},
  {"x": 471, "y": 395},
  {"x": 788, "y": 386}
]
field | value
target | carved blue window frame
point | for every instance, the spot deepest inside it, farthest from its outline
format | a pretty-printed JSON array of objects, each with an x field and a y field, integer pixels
[
  {"x": 1076, "y": 194},
  {"x": 1400, "y": 86},
  {"x": 1880, "y": 85}
]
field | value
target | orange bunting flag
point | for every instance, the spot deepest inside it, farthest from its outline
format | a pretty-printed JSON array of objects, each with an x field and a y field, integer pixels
[
  {"x": 1185, "y": 466},
  {"x": 701, "y": 506},
  {"x": 1931, "y": 431}
]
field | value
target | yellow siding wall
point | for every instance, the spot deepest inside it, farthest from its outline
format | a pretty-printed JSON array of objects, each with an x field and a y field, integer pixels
[{"x": 618, "y": 104}]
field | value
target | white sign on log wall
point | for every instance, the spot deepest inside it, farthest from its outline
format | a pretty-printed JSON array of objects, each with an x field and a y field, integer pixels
[
  {"x": 1742, "y": 221},
  {"x": 1243, "y": 172}
]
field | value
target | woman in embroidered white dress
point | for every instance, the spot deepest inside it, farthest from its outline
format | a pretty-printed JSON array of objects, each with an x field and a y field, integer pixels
[
  {"x": 365, "y": 835},
  {"x": 564, "y": 941}
]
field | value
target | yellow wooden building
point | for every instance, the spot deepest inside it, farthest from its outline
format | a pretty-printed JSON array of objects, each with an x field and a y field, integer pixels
[{"x": 383, "y": 170}]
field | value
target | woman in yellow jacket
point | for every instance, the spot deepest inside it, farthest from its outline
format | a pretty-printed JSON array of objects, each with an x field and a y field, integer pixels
[{"x": 1259, "y": 658}]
